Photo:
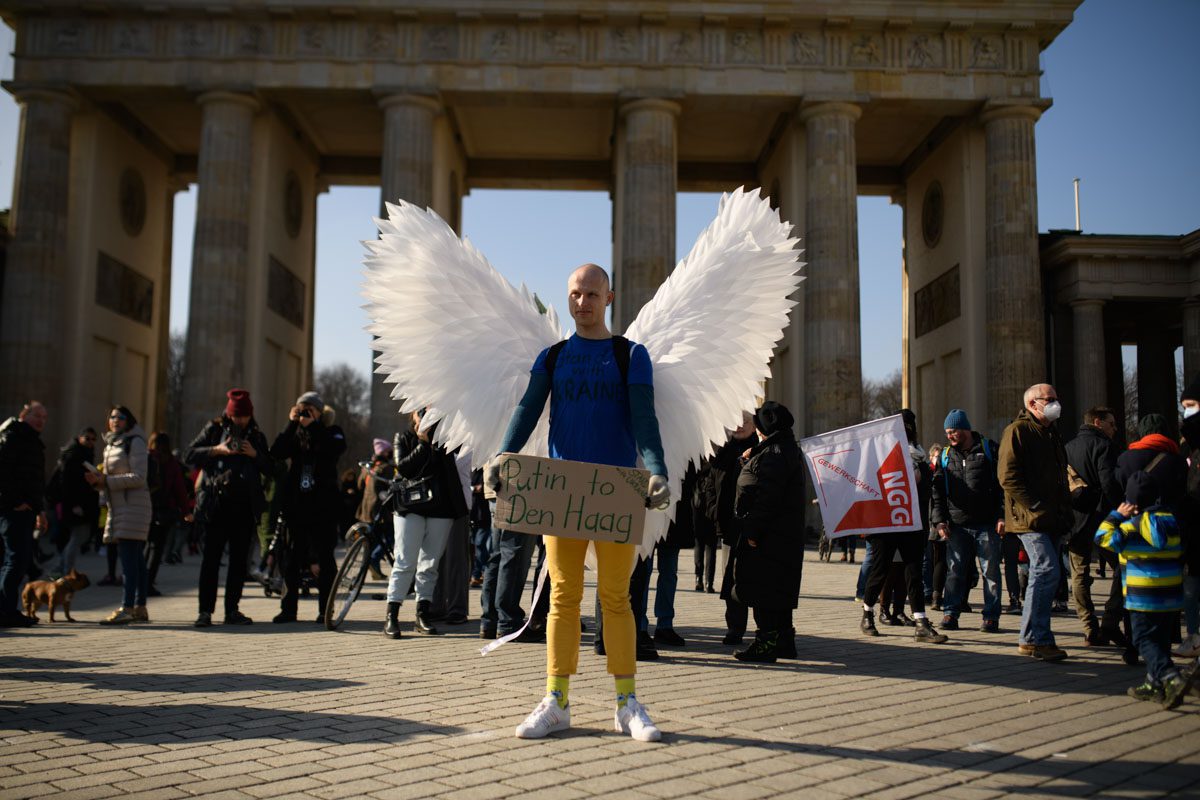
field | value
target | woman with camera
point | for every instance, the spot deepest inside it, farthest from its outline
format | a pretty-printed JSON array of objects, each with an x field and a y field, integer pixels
[
  {"x": 427, "y": 501},
  {"x": 311, "y": 499},
  {"x": 231, "y": 451}
]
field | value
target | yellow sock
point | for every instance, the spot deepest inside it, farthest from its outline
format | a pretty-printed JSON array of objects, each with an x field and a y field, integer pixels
[
  {"x": 557, "y": 686},
  {"x": 624, "y": 691}
]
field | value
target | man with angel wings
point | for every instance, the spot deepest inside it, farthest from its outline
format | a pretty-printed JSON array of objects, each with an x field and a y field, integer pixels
[{"x": 452, "y": 334}]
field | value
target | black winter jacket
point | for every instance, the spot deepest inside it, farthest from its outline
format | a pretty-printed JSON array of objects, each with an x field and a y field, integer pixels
[
  {"x": 311, "y": 486},
  {"x": 74, "y": 490},
  {"x": 1189, "y": 509},
  {"x": 964, "y": 488},
  {"x": 1170, "y": 473},
  {"x": 721, "y": 489},
  {"x": 681, "y": 533},
  {"x": 769, "y": 510},
  {"x": 22, "y": 466},
  {"x": 1093, "y": 456},
  {"x": 416, "y": 458},
  {"x": 234, "y": 478}
]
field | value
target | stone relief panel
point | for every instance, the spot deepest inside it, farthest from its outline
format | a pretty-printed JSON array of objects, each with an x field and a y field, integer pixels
[
  {"x": 314, "y": 39},
  {"x": 682, "y": 47},
  {"x": 559, "y": 44},
  {"x": 987, "y": 52},
  {"x": 439, "y": 42},
  {"x": 195, "y": 38},
  {"x": 67, "y": 37},
  {"x": 623, "y": 44},
  {"x": 498, "y": 44},
  {"x": 132, "y": 38},
  {"x": 253, "y": 39},
  {"x": 378, "y": 41},
  {"x": 924, "y": 51},
  {"x": 745, "y": 47},
  {"x": 866, "y": 50},
  {"x": 808, "y": 48}
]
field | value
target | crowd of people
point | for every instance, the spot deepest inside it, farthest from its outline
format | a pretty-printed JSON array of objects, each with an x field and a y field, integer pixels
[{"x": 1028, "y": 518}]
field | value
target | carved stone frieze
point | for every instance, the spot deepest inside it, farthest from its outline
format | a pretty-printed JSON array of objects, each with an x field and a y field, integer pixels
[{"x": 532, "y": 39}]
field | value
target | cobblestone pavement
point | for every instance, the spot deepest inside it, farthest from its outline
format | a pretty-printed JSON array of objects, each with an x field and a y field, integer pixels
[{"x": 165, "y": 711}]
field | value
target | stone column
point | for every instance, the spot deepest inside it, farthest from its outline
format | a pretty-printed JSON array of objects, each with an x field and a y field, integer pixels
[
  {"x": 646, "y": 205},
  {"x": 1091, "y": 383},
  {"x": 1156, "y": 373},
  {"x": 33, "y": 314},
  {"x": 406, "y": 174},
  {"x": 1015, "y": 329},
  {"x": 832, "y": 337},
  {"x": 216, "y": 337},
  {"x": 1191, "y": 340}
]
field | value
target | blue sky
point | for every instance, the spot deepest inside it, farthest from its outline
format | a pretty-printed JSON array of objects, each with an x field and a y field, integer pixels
[{"x": 1125, "y": 120}]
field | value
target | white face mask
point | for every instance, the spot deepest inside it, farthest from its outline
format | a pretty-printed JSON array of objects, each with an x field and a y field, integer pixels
[
  {"x": 1190, "y": 411},
  {"x": 1052, "y": 411}
]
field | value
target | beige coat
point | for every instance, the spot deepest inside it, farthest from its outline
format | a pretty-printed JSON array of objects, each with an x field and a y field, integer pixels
[{"x": 126, "y": 464}]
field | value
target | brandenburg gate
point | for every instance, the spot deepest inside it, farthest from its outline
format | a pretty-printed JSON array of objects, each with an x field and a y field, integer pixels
[{"x": 264, "y": 105}]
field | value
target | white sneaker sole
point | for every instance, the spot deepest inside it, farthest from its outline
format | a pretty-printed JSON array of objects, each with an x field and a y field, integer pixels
[
  {"x": 643, "y": 734},
  {"x": 541, "y": 733}
]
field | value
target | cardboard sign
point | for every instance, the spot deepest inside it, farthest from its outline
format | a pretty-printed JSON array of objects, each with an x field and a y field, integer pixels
[{"x": 574, "y": 499}]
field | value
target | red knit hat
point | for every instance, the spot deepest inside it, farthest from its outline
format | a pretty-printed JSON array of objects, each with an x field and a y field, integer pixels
[{"x": 239, "y": 404}]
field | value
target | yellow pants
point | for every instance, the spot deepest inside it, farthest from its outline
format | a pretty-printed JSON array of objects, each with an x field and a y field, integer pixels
[{"x": 614, "y": 564}]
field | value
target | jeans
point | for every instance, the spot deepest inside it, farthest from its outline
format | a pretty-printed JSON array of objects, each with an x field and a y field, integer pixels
[
  {"x": 1152, "y": 638},
  {"x": 614, "y": 562},
  {"x": 132, "y": 553},
  {"x": 861, "y": 589},
  {"x": 420, "y": 542},
  {"x": 668, "y": 581},
  {"x": 965, "y": 544},
  {"x": 504, "y": 580},
  {"x": 78, "y": 535},
  {"x": 1044, "y": 567},
  {"x": 16, "y": 531},
  {"x": 481, "y": 538}
]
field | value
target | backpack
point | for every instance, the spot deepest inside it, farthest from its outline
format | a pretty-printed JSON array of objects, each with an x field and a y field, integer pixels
[{"x": 621, "y": 347}]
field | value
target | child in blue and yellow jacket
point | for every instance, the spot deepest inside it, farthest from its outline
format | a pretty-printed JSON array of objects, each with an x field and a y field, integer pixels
[{"x": 1146, "y": 537}]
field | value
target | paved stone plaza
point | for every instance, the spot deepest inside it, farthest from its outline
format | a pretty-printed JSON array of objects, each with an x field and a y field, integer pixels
[{"x": 166, "y": 711}]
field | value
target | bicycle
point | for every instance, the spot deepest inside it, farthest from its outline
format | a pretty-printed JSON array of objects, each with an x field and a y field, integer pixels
[{"x": 362, "y": 538}]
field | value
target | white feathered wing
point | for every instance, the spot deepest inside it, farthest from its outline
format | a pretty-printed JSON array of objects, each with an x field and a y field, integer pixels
[
  {"x": 710, "y": 330},
  {"x": 451, "y": 332}
]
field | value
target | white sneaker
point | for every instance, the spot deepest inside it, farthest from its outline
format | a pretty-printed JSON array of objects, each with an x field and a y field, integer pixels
[
  {"x": 546, "y": 718},
  {"x": 633, "y": 719},
  {"x": 1190, "y": 648}
]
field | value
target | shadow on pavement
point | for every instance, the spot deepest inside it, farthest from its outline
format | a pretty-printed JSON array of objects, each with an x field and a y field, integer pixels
[
  {"x": 199, "y": 722},
  {"x": 211, "y": 682}
]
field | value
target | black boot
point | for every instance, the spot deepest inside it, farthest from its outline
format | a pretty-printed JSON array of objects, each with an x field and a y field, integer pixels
[
  {"x": 763, "y": 650},
  {"x": 424, "y": 625},
  {"x": 391, "y": 624},
  {"x": 868, "y": 624},
  {"x": 925, "y": 633}
]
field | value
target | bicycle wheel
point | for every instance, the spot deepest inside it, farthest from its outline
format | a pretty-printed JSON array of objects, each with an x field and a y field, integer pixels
[{"x": 347, "y": 584}]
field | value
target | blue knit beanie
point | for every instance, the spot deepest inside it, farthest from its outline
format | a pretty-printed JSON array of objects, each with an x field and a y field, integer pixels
[{"x": 957, "y": 418}]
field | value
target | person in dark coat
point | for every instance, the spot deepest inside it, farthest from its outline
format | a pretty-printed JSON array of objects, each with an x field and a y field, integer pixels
[
  {"x": 422, "y": 525},
  {"x": 232, "y": 453},
  {"x": 168, "y": 500},
  {"x": 909, "y": 544},
  {"x": 1093, "y": 457},
  {"x": 311, "y": 501},
  {"x": 1156, "y": 450},
  {"x": 725, "y": 466},
  {"x": 768, "y": 511},
  {"x": 80, "y": 503},
  {"x": 680, "y": 536},
  {"x": 22, "y": 498},
  {"x": 1189, "y": 519},
  {"x": 704, "y": 528}
]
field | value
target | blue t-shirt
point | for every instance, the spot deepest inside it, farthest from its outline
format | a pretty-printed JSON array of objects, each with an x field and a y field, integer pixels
[{"x": 589, "y": 405}]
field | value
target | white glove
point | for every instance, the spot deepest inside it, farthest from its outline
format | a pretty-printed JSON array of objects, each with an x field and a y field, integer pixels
[
  {"x": 658, "y": 493},
  {"x": 491, "y": 474}
]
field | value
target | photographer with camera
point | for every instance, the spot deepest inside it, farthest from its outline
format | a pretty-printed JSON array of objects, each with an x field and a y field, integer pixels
[
  {"x": 232, "y": 453},
  {"x": 312, "y": 444}
]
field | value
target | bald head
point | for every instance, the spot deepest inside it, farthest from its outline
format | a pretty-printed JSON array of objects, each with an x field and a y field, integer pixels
[
  {"x": 588, "y": 297},
  {"x": 1042, "y": 402}
]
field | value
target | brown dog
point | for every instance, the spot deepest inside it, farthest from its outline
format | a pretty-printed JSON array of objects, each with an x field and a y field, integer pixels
[{"x": 53, "y": 593}]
